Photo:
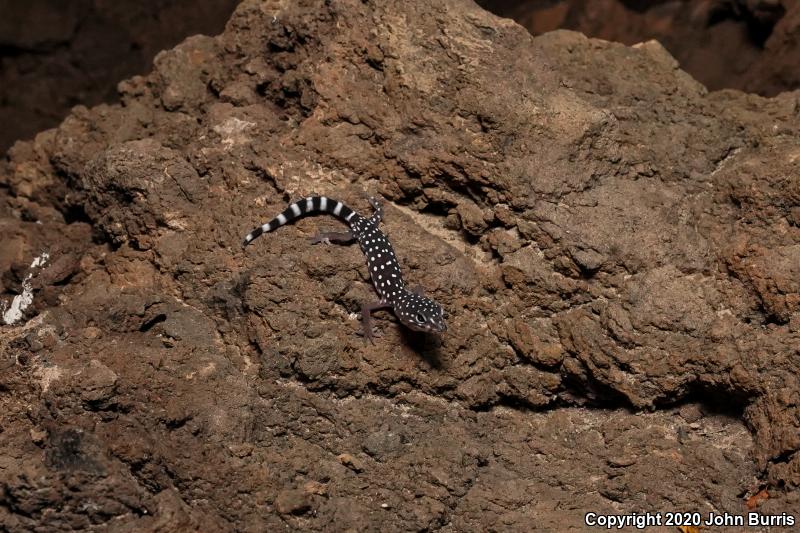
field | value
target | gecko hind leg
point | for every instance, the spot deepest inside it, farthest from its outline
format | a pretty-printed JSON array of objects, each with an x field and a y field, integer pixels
[{"x": 339, "y": 237}]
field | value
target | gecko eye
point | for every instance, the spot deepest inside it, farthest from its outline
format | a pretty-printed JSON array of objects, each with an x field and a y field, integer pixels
[{"x": 420, "y": 318}]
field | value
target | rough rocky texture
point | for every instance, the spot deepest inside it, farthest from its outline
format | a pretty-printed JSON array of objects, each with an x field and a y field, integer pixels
[
  {"x": 55, "y": 54},
  {"x": 751, "y": 45},
  {"x": 617, "y": 249}
]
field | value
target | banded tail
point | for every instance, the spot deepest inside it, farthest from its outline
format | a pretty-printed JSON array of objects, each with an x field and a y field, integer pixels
[{"x": 306, "y": 206}]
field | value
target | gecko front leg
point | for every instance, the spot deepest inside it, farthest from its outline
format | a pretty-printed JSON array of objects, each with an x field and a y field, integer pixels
[
  {"x": 418, "y": 290},
  {"x": 366, "y": 319}
]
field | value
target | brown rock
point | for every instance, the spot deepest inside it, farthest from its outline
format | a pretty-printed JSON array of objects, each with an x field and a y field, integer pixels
[
  {"x": 293, "y": 501},
  {"x": 645, "y": 261}
]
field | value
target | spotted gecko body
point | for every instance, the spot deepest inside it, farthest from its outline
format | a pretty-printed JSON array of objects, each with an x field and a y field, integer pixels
[{"x": 414, "y": 310}]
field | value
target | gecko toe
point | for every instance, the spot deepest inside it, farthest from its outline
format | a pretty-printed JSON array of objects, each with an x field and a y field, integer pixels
[{"x": 320, "y": 239}]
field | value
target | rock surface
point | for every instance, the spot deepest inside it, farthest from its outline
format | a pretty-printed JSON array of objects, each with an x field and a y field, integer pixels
[{"x": 617, "y": 249}]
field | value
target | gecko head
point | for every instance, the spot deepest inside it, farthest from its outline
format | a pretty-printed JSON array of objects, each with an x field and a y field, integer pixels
[{"x": 420, "y": 313}]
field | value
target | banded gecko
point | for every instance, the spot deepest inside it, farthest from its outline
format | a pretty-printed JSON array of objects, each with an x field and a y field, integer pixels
[{"x": 410, "y": 305}]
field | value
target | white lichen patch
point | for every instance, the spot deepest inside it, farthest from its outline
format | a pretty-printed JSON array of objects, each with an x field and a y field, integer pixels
[
  {"x": 14, "y": 312},
  {"x": 233, "y": 131},
  {"x": 47, "y": 375}
]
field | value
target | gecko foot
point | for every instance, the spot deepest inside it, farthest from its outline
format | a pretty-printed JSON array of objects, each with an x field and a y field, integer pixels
[
  {"x": 344, "y": 237},
  {"x": 366, "y": 319},
  {"x": 370, "y": 336}
]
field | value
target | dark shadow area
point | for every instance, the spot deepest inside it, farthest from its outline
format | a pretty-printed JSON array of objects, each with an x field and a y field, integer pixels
[
  {"x": 426, "y": 345},
  {"x": 55, "y": 55},
  {"x": 724, "y": 44},
  {"x": 713, "y": 401}
]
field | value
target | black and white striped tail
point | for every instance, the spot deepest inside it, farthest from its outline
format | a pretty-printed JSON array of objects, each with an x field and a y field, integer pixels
[{"x": 312, "y": 204}]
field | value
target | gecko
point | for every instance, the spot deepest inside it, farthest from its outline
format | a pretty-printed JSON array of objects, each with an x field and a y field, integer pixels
[{"x": 414, "y": 310}]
